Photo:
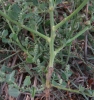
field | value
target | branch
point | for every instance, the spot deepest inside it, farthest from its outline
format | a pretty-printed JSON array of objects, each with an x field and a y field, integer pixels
[
  {"x": 71, "y": 90},
  {"x": 25, "y": 27},
  {"x": 72, "y": 39},
  {"x": 70, "y": 16}
]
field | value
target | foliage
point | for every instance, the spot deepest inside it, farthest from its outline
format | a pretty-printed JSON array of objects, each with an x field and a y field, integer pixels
[{"x": 33, "y": 30}]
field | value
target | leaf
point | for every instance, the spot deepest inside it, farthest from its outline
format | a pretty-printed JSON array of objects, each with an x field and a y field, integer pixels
[
  {"x": 92, "y": 93},
  {"x": 58, "y": 1},
  {"x": 6, "y": 69},
  {"x": 26, "y": 41},
  {"x": 28, "y": 15},
  {"x": 10, "y": 77},
  {"x": 43, "y": 6},
  {"x": 66, "y": 75},
  {"x": 63, "y": 85},
  {"x": 33, "y": 91},
  {"x": 2, "y": 79},
  {"x": 2, "y": 74},
  {"x": 63, "y": 75},
  {"x": 67, "y": 72},
  {"x": 27, "y": 81},
  {"x": 14, "y": 12},
  {"x": 89, "y": 91},
  {"x": 35, "y": 2},
  {"x": 54, "y": 83},
  {"x": 16, "y": 8},
  {"x": 29, "y": 59},
  {"x": 35, "y": 52},
  {"x": 14, "y": 92},
  {"x": 13, "y": 15},
  {"x": 78, "y": 34},
  {"x": 81, "y": 88},
  {"x": 13, "y": 36},
  {"x": 4, "y": 40},
  {"x": 4, "y": 33}
]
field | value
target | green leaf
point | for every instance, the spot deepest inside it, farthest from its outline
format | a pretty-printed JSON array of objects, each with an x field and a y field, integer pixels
[
  {"x": 67, "y": 72},
  {"x": 6, "y": 69},
  {"x": 35, "y": 52},
  {"x": 35, "y": 2},
  {"x": 63, "y": 75},
  {"x": 2, "y": 74},
  {"x": 33, "y": 91},
  {"x": 92, "y": 93},
  {"x": 28, "y": 15},
  {"x": 54, "y": 83},
  {"x": 81, "y": 88},
  {"x": 4, "y": 40},
  {"x": 58, "y": 1},
  {"x": 29, "y": 59},
  {"x": 10, "y": 77},
  {"x": 66, "y": 75},
  {"x": 89, "y": 91},
  {"x": 14, "y": 12},
  {"x": 15, "y": 8},
  {"x": 2, "y": 79},
  {"x": 26, "y": 41},
  {"x": 13, "y": 36},
  {"x": 43, "y": 6},
  {"x": 4, "y": 33},
  {"x": 27, "y": 81},
  {"x": 63, "y": 85},
  {"x": 14, "y": 92},
  {"x": 55, "y": 77},
  {"x": 13, "y": 15}
]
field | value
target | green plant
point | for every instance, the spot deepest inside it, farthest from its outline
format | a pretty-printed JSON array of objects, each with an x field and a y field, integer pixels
[{"x": 50, "y": 40}]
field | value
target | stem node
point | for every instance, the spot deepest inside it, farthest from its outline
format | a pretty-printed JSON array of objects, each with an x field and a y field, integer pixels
[
  {"x": 51, "y": 8},
  {"x": 53, "y": 28}
]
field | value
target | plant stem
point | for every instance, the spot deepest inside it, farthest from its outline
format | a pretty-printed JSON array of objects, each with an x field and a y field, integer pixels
[
  {"x": 9, "y": 56},
  {"x": 25, "y": 27},
  {"x": 69, "y": 49},
  {"x": 17, "y": 40},
  {"x": 71, "y": 90},
  {"x": 72, "y": 39},
  {"x": 51, "y": 45},
  {"x": 71, "y": 15}
]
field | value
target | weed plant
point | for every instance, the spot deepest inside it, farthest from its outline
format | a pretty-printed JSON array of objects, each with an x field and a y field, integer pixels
[{"x": 31, "y": 30}]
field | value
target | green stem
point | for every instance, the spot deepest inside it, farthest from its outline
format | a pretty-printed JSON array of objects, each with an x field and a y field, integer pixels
[
  {"x": 9, "y": 56},
  {"x": 69, "y": 49},
  {"x": 25, "y": 27},
  {"x": 51, "y": 46},
  {"x": 19, "y": 44},
  {"x": 17, "y": 40},
  {"x": 51, "y": 43},
  {"x": 78, "y": 34},
  {"x": 72, "y": 39},
  {"x": 71, "y": 90},
  {"x": 71, "y": 15}
]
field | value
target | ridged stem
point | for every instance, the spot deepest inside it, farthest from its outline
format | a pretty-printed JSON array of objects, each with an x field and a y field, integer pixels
[
  {"x": 51, "y": 45},
  {"x": 71, "y": 15},
  {"x": 23, "y": 26}
]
